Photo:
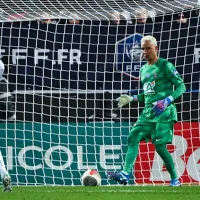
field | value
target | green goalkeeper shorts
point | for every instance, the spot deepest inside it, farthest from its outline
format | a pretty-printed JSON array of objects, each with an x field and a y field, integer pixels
[{"x": 158, "y": 132}]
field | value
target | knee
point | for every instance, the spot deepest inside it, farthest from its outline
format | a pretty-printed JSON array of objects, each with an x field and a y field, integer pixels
[
  {"x": 135, "y": 136},
  {"x": 160, "y": 147},
  {"x": 133, "y": 139}
]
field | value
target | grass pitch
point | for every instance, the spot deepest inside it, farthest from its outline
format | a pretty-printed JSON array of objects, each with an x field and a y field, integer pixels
[{"x": 103, "y": 193}]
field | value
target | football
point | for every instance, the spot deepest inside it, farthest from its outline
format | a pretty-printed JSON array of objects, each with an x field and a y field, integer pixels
[{"x": 91, "y": 178}]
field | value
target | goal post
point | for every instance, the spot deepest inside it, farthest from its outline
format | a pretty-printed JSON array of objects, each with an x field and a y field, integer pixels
[{"x": 65, "y": 77}]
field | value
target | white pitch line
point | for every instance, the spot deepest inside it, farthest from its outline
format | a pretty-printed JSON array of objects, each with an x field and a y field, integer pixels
[{"x": 113, "y": 191}]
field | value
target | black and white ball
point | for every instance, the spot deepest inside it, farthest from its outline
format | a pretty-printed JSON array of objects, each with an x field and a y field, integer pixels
[{"x": 91, "y": 178}]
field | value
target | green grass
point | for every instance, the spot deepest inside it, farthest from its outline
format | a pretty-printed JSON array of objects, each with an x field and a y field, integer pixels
[{"x": 103, "y": 193}]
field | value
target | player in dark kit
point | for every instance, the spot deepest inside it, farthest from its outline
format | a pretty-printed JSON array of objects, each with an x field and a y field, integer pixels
[
  {"x": 156, "y": 122},
  {"x": 6, "y": 114}
]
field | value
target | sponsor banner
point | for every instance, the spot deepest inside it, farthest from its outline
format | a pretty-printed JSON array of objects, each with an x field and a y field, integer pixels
[
  {"x": 38, "y": 153},
  {"x": 73, "y": 56}
]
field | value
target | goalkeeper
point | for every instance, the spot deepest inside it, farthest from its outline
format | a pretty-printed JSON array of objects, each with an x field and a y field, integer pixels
[
  {"x": 156, "y": 122},
  {"x": 6, "y": 114}
]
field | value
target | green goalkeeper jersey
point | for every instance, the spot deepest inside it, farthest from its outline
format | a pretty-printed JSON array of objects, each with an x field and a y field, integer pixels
[{"x": 159, "y": 81}]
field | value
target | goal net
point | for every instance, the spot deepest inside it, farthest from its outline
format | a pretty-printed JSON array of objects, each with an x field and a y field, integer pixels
[{"x": 66, "y": 63}]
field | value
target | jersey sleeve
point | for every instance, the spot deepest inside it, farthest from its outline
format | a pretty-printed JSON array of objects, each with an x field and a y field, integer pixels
[
  {"x": 174, "y": 77},
  {"x": 141, "y": 97}
]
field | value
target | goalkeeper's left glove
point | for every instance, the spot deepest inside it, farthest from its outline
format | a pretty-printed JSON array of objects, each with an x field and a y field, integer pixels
[{"x": 161, "y": 105}]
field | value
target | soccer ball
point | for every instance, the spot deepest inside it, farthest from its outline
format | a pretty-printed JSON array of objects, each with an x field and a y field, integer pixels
[{"x": 91, "y": 178}]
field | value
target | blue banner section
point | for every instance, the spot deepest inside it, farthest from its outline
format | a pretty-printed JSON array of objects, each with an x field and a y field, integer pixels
[
  {"x": 77, "y": 56},
  {"x": 58, "y": 154}
]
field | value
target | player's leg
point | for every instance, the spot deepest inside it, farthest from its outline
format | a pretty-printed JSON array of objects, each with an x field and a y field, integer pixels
[
  {"x": 6, "y": 180},
  {"x": 6, "y": 114},
  {"x": 164, "y": 135},
  {"x": 138, "y": 132}
]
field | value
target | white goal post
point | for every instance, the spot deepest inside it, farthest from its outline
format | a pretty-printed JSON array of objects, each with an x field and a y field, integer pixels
[{"x": 66, "y": 63}]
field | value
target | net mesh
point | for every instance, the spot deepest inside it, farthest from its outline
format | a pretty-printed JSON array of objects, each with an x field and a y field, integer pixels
[
  {"x": 65, "y": 77},
  {"x": 90, "y": 10}
]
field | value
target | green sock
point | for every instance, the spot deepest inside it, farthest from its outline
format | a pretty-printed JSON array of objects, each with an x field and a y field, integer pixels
[
  {"x": 167, "y": 159},
  {"x": 131, "y": 157}
]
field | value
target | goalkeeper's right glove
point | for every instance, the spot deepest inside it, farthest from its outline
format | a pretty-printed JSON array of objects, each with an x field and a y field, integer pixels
[{"x": 126, "y": 99}]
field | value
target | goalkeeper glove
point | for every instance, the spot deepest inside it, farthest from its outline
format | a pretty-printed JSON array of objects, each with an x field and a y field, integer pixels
[
  {"x": 126, "y": 99},
  {"x": 161, "y": 105}
]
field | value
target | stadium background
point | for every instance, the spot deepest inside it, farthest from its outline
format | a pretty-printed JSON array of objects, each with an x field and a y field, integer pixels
[{"x": 97, "y": 44}]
